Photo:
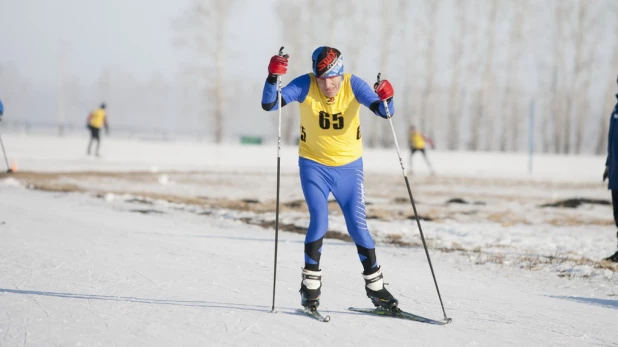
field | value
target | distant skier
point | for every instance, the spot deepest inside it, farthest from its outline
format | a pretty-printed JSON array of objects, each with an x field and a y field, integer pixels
[
  {"x": 96, "y": 120},
  {"x": 1, "y": 110},
  {"x": 611, "y": 168},
  {"x": 330, "y": 159},
  {"x": 416, "y": 141}
]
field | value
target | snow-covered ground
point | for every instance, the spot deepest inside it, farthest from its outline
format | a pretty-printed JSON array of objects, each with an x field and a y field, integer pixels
[{"x": 171, "y": 243}]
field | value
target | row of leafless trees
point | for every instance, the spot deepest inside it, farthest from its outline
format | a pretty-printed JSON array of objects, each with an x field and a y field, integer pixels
[{"x": 470, "y": 74}]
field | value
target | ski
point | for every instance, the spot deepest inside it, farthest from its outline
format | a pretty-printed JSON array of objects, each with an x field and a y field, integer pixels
[
  {"x": 398, "y": 313},
  {"x": 313, "y": 313}
]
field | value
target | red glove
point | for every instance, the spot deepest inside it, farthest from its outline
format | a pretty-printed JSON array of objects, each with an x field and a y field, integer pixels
[
  {"x": 278, "y": 65},
  {"x": 384, "y": 89},
  {"x": 428, "y": 139}
]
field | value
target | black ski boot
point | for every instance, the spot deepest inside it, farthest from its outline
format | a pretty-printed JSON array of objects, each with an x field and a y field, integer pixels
[
  {"x": 380, "y": 297},
  {"x": 613, "y": 258},
  {"x": 310, "y": 288}
]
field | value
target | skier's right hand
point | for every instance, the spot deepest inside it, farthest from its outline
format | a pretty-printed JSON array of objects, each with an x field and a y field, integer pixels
[
  {"x": 384, "y": 89},
  {"x": 605, "y": 174},
  {"x": 278, "y": 65}
]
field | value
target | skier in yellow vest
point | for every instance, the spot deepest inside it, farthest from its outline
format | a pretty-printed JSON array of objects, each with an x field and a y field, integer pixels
[
  {"x": 96, "y": 120},
  {"x": 417, "y": 142},
  {"x": 330, "y": 159}
]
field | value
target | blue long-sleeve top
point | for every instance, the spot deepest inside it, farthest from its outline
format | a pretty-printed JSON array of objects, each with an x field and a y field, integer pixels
[{"x": 298, "y": 89}]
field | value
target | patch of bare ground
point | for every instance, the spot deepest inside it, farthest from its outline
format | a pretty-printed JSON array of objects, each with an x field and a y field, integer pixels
[
  {"x": 572, "y": 220},
  {"x": 57, "y": 182},
  {"x": 398, "y": 210},
  {"x": 330, "y": 234},
  {"x": 506, "y": 218},
  {"x": 398, "y": 240}
]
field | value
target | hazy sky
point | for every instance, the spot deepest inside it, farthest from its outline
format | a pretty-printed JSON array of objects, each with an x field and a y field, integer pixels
[{"x": 131, "y": 35}]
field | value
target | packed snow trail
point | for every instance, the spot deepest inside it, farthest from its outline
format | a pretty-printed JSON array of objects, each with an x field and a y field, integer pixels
[{"x": 76, "y": 269}]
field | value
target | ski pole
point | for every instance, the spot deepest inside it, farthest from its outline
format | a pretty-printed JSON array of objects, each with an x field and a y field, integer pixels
[
  {"x": 418, "y": 222},
  {"x": 9, "y": 170},
  {"x": 278, "y": 180}
]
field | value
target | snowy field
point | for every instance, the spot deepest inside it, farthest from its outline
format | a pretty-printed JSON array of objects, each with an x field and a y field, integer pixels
[{"x": 172, "y": 243}]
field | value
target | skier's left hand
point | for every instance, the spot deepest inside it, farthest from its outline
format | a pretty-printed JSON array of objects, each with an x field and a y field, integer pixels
[
  {"x": 605, "y": 174},
  {"x": 384, "y": 89}
]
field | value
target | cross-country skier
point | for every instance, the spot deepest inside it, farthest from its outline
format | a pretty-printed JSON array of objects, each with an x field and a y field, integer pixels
[
  {"x": 96, "y": 120},
  {"x": 417, "y": 141},
  {"x": 1, "y": 110},
  {"x": 330, "y": 159},
  {"x": 611, "y": 168}
]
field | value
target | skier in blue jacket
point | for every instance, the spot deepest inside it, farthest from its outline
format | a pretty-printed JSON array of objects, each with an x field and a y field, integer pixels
[
  {"x": 1, "y": 110},
  {"x": 611, "y": 168}
]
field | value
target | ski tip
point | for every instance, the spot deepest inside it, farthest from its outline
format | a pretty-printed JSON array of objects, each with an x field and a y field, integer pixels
[{"x": 315, "y": 314}]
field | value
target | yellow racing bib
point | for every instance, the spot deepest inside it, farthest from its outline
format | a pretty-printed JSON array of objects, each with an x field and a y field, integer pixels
[{"x": 330, "y": 127}]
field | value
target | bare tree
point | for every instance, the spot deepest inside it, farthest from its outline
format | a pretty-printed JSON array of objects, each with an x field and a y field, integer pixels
[
  {"x": 583, "y": 60},
  {"x": 426, "y": 125},
  {"x": 355, "y": 24},
  {"x": 300, "y": 33},
  {"x": 582, "y": 43},
  {"x": 610, "y": 98},
  {"x": 547, "y": 120},
  {"x": 455, "y": 97},
  {"x": 481, "y": 119},
  {"x": 388, "y": 31},
  {"x": 510, "y": 115},
  {"x": 202, "y": 28},
  {"x": 290, "y": 13},
  {"x": 471, "y": 99},
  {"x": 546, "y": 76},
  {"x": 61, "y": 90},
  {"x": 610, "y": 101},
  {"x": 559, "y": 119},
  {"x": 407, "y": 40}
]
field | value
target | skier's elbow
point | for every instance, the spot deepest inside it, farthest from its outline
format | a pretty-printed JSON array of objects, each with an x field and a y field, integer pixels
[
  {"x": 271, "y": 106},
  {"x": 268, "y": 106}
]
